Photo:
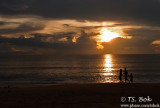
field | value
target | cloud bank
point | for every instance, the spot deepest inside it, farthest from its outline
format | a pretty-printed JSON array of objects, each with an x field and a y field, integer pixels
[{"x": 70, "y": 26}]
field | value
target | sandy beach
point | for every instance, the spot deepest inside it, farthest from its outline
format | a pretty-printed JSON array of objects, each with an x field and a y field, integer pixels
[{"x": 76, "y": 95}]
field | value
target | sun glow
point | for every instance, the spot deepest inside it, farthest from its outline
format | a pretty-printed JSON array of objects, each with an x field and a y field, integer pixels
[{"x": 107, "y": 36}]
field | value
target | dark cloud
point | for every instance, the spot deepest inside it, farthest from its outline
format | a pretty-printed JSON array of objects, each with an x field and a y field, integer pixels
[
  {"x": 91, "y": 27},
  {"x": 22, "y": 28},
  {"x": 36, "y": 41},
  {"x": 85, "y": 41},
  {"x": 13, "y": 6},
  {"x": 143, "y": 33},
  {"x": 128, "y": 46},
  {"x": 141, "y": 11},
  {"x": 66, "y": 25},
  {"x": 141, "y": 42},
  {"x": 52, "y": 42},
  {"x": 4, "y": 23},
  {"x": 4, "y": 47}
]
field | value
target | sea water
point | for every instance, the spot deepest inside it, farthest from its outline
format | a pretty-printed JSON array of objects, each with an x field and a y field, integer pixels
[{"x": 66, "y": 69}]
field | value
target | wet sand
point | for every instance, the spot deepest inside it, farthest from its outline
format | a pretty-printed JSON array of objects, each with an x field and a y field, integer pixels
[{"x": 76, "y": 95}]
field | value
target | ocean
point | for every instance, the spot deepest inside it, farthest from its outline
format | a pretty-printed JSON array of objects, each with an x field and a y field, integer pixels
[{"x": 67, "y": 69}]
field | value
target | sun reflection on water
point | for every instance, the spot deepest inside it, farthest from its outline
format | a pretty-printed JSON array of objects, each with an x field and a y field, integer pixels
[
  {"x": 108, "y": 69},
  {"x": 108, "y": 63}
]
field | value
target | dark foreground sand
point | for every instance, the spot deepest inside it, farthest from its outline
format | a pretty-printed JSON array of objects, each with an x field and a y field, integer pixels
[{"x": 76, "y": 95}]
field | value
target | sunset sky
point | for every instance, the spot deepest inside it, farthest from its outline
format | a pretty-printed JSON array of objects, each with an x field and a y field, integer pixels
[{"x": 79, "y": 26}]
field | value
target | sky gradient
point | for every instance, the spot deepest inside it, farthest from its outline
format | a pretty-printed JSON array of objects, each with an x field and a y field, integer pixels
[{"x": 74, "y": 26}]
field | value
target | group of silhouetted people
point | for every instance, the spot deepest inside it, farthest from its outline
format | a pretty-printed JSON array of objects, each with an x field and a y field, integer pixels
[{"x": 125, "y": 76}]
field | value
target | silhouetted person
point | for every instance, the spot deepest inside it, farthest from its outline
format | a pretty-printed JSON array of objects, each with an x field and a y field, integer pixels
[
  {"x": 131, "y": 78},
  {"x": 125, "y": 75},
  {"x": 120, "y": 75}
]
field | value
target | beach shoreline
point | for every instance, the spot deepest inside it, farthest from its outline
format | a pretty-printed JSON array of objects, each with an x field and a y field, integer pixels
[{"x": 92, "y": 95}]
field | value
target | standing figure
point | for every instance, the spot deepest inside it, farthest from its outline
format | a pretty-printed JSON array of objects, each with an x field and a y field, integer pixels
[
  {"x": 131, "y": 78},
  {"x": 125, "y": 75},
  {"x": 120, "y": 75}
]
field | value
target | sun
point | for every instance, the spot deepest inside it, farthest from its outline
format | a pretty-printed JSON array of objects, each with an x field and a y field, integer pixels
[{"x": 106, "y": 35}]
